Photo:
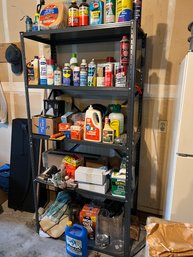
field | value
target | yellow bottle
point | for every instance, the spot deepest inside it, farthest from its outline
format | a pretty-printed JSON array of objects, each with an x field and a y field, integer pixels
[{"x": 108, "y": 132}]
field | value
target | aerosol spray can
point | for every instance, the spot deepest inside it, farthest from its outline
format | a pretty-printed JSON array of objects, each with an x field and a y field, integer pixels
[
  {"x": 76, "y": 76},
  {"x": 83, "y": 76},
  {"x": 124, "y": 51},
  {"x": 92, "y": 74},
  {"x": 137, "y": 4}
]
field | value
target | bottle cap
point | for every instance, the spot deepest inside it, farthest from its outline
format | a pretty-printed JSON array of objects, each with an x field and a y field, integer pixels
[
  {"x": 76, "y": 68},
  {"x": 110, "y": 59},
  {"x": 69, "y": 223},
  {"x": 83, "y": 61},
  {"x": 36, "y": 57},
  {"x": 66, "y": 64},
  {"x": 50, "y": 62}
]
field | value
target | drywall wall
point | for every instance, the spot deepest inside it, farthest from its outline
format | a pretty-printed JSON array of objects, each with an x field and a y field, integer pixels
[{"x": 165, "y": 23}]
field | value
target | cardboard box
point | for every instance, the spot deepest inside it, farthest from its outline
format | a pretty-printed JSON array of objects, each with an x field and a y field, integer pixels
[
  {"x": 102, "y": 189},
  {"x": 88, "y": 216},
  {"x": 90, "y": 175},
  {"x": 118, "y": 184},
  {"x": 45, "y": 125}
]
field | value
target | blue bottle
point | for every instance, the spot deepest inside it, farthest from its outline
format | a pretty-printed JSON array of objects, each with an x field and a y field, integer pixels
[{"x": 76, "y": 240}]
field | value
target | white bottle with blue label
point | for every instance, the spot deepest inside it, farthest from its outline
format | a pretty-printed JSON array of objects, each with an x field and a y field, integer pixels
[{"x": 43, "y": 70}]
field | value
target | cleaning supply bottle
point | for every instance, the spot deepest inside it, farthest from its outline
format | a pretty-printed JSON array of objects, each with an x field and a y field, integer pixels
[
  {"x": 73, "y": 14},
  {"x": 93, "y": 125},
  {"x": 92, "y": 74},
  {"x": 50, "y": 72},
  {"x": 117, "y": 115},
  {"x": 83, "y": 13},
  {"x": 124, "y": 51},
  {"x": 43, "y": 70},
  {"x": 73, "y": 61},
  {"x": 76, "y": 76},
  {"x": 76, "y": 240},
  {"x": 108, "y": 132}
]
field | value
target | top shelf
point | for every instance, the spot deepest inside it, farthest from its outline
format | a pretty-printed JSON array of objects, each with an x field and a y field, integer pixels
[{"x": 84, "y": 34}]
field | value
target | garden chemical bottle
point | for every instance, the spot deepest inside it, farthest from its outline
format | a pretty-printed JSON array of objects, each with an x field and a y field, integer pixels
[
  {"x": 66, "y": 75},
  {"x": 124, "y": 51},
  {"x": 124, "y": 10},
  {"x": 93, "y": 125},
  {"x": 83, "y": 76},
  {"x": 83, "y": 13},
  {"x": 108, "y": 132},
  {"x": 43, "y": 70},
  {"x": 76, "y": 240},
  {"x": 117, "y": 115},
  {"x": 73, "y": 14},
  {"x": 73, "y": 61},
  {"x": 110, "y": 11},
  {"x": 92, "y": 74}
]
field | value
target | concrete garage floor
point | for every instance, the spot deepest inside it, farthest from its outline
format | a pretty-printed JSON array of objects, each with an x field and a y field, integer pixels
[{"x": 19, "y": 239}]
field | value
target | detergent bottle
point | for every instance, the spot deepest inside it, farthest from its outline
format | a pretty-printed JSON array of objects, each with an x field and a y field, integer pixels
[
  {"x": 76, "y": 240},
  {"x": 93, "y": 125},
  {"x": 117, "y": 115}
]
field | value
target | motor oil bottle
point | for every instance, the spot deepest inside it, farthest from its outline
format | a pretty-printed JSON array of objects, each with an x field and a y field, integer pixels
[
  {"x": 83, "y": 13},
  {"x": 93, "y": 125},
  {"x": 110, "y": 11},
  {"x": 73, "y": 14},
  {"x": 43, "y": 70},
  {"x": 92, "y": 74},
  {"x": 109, "y": 74},
  {"x": 124, "y": 51},
  {"x": 76, "y": 240},
  {"x": 108, "y": 132},
  {"x": 124, "y": 10},
  {"x": 66, "y": 75}
]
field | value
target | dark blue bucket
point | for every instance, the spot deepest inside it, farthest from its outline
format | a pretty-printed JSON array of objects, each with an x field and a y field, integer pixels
[{"x": 4, "y": 177}]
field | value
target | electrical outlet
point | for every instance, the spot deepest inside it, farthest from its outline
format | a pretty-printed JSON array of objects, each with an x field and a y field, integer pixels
[{"x": 163, "y": 126}]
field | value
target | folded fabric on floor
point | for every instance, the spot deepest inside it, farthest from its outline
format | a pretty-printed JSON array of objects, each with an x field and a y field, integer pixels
[{"x": 58, "y": 208}]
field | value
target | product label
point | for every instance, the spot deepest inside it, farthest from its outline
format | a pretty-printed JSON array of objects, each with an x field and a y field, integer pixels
[
  {"x": 57, "y": 78},
  {"x": 92, "y": 132},
  {"x": 76, "y": 78},
  {"x": 42, "y": 126},
  {"x": 49, "y": 15},
  {"x": 83, "y": 16},
  {"x": 73, "y": 17},
  {"x": 109, "y": 75},
  {"x": 124, "y": 10},
  {"x": 92, "y": 76},
  {"x": 74, "y": 245},
  {"x": 110, "y": 11},
  {"x": 108, "y": 136},
  {"x": 50, "y": 75},
  {"x": 83, "y": 79},
  {"x": 66, "y": 77},
  {"x": 124, "y": 52}
]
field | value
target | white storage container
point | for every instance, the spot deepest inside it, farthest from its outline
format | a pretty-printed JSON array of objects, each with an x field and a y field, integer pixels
[{"x": 90, "y": 175}]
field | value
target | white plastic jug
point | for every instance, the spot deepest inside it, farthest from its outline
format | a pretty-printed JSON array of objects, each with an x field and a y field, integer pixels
[{"x": 93, "y": 125}]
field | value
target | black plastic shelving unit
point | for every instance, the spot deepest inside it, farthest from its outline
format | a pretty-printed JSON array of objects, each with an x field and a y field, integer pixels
[{"x": 93, "y": 34}]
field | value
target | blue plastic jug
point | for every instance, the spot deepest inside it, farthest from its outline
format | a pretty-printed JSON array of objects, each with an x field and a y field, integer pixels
[{"x": 76, "y": 241}]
